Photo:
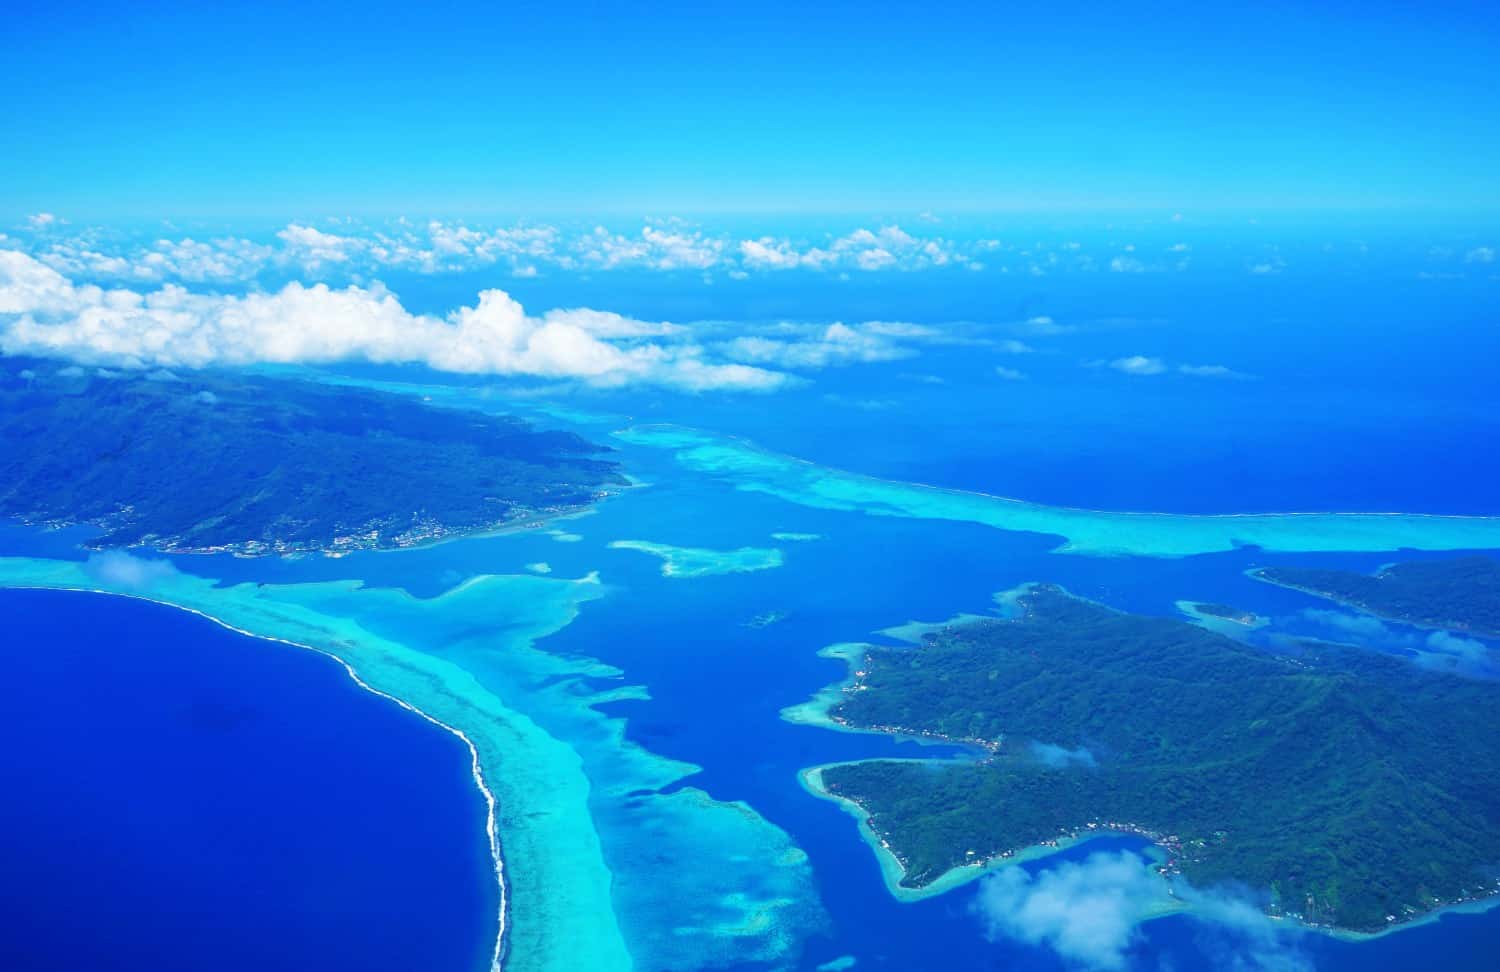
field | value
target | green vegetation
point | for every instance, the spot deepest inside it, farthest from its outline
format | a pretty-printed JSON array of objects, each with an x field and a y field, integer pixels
[
  {"x": 257, "y": 465},
  {"x": 1351, "y": 784},
  {"x": 1461, "y": 594},
  {"x": 1226, "y": 611}
]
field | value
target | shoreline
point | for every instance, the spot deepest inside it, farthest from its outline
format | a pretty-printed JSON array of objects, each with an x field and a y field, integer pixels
[
  {"x": 1254, "y": 573},
  {"x": 1230, "y": 627},
  {"x": 814, "y": 711},
  {"x": 892, "y": 870},
  {"x": 491, "y": 817},
  {"x": 247, "y": 549}
]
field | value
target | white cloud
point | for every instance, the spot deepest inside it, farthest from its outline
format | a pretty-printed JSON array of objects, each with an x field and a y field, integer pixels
[
  {"x": 1012, "y": 346},
  {"x": 771, "y": 254},
  {"x": 887, "y": 248},
  {"x": 172, "y": 327},
  {"x": 120, "y": 569},
  {"x": 340, "y": 250},
  {"x": 1043, "y": 324},
  {"x": 1139, "y": 364},
  {"x": 39, "y": 221},
  {"x": 1480, "y": 254},
  {"x": 1089, "y": 912},
  {"x": 1210, "y": 371},
  {"x": 313, "y": 247},
  {"x": 655, "y": 248},
  {"x": 1061, "y": 757},
  {"x": 1086, "y": 911},
  {"x": 1441, "y": 650},
  {"x": 220, "y": 260},
  {"x": 835, "y": 344},
  {"x": 1126, "y": 264},
  {"x": 1010, "y": 374}
]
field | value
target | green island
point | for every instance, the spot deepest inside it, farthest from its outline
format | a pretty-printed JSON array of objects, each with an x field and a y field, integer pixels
[
  {"x": 1355, "y": 788},
  {"x": 1459, "y": 594},
  {"x": 1226, "y": 611},
  {"x": 208, "y": 462}
]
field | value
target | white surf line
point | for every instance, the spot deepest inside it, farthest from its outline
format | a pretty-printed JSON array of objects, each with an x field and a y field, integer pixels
[{"x": 489, "y": 797}]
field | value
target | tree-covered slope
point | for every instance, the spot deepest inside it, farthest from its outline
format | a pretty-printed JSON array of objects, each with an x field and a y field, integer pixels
[
  {"x": 214, "y": 461},
  {"x": 1352, "y": 785},
  {"x": 1461, "y": 593}
]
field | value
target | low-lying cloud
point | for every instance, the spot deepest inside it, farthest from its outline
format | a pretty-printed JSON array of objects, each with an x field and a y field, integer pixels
[
  {"x": 1437, "y": 650},
  {"x": 834, "y": 345},
  {"x": 1139, "y": 364},
  {"x": 1061, "y": 757},
  {"x": 119, "y": 569},
  {"x": 43, "y": 312},
  {"x": 1089, "y": 912}
]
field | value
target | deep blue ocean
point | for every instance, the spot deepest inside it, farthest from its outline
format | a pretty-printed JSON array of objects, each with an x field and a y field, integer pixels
[
  {"x": 179, "y": 796},
  {"x": 1367, "y": 391}
]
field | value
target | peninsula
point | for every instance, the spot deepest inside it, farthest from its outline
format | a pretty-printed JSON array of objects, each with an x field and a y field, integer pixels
[
  {"x": 1458, "y": 594},
  {"x": 1353, "y": 787}
]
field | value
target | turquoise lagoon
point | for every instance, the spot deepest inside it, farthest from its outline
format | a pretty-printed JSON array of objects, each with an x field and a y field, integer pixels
[
  {"x": 465, "y": 658},
  {"x": 627, "y": 719}
]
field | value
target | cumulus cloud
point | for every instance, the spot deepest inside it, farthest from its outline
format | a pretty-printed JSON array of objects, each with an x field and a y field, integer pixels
[
  {"x": 655, "y": 248},
  {"x": 351, "y": 250},
  {"x": 314, "y": 246},
  {"x": 1139, "y": 364},
  {"x": 116, "y": 568},
  {"x": 886, "y": 248},
  {"x": 769, "y": 253},
  {"x": 46, "y": 313},
  {"x": 1089, "y": 912},
  {"x": 219, "y": 260}
]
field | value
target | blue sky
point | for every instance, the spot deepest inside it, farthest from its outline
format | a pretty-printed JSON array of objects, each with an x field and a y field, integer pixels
[{"x": 756, "y": 112}]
